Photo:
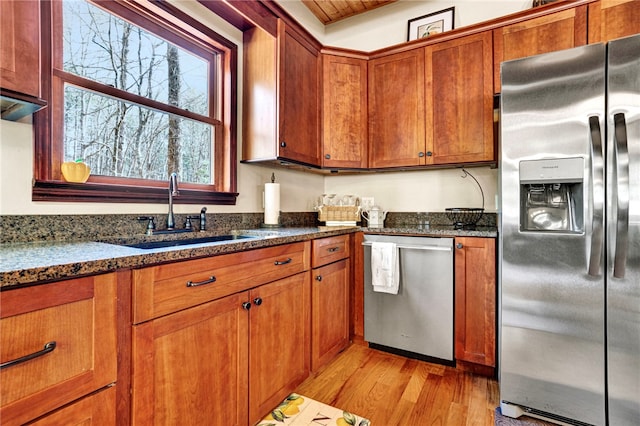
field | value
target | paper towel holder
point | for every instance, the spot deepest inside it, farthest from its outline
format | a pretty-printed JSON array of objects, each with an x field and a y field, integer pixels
[{"x": 273, "y": 225}]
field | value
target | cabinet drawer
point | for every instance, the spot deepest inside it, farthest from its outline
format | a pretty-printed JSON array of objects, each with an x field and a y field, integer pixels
[
  {"x": 160, "y": 290},
  {"x": 330, "y": 249},
  {"x": 98, "y": 409},
  {"x": 79, "y": 315}
]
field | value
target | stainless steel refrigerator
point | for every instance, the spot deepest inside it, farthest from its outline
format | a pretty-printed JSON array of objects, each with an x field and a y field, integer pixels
[{"x": 570, "y": 235}]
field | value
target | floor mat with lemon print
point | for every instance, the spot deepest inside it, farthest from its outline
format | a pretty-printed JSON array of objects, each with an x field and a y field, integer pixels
[{"x": 299, "y": 410}]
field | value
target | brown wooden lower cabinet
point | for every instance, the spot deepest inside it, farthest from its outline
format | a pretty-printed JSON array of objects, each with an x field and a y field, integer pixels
[
  {"x": 180, "y": 361},
  {"x": 279, "y": 342},
  {"x": 329, "y": 298},
  {"x": 216, "y": 362},
  {"x": 475, "y": 304},
  {"x": 330, "y": 312},
  {"x": 97, "y": 409},
  {"x": 58, "y": 344}
]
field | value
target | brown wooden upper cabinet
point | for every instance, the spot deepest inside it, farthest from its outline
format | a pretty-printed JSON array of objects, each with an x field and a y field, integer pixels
[
  {"x": 344, "y": 112},
  {"x": 281, "y": 110},
  {"x": 459, "y": 101},
  {"x": 20, "y": 48},
  {"x": 434, "y": 105},
  {"x": 556, "y": 31},
  {"x": 609, "y": 20},
  {"x": 431, "y": 105},
  {"x": 396, "y": 110}
]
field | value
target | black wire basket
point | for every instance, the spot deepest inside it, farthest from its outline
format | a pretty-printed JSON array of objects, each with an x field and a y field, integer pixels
[{"x": 464, "y": 218}]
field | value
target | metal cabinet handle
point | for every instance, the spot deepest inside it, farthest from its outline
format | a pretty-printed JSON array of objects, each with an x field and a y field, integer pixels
[
  {"x": 48, "y": 347},
  {"x": 283, "y": 144},
  {"x": 327, "y": 156},
  {"x": 212, "y": 279},
  {"x": 246, "y": 305},
  {"x": 257, "y": 301},
  {"x": 333, "y": 249},
  {"x": 459, "y": 246},
  {"x": 282, "y": 262},
  {"x": 319, "y": 278},
  {"x": 597, "y": 197},
  {"x": 621, "y": 170},
  {"x": 421, "y": 154}
]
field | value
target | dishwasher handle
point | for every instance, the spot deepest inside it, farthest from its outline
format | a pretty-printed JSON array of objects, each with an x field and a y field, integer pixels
[{"x": 416, "y": 247}]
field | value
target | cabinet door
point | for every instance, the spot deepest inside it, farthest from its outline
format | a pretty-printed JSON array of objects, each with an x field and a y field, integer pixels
[
  {"x": 259, "y": 96},
  {"x": 279, "y": 342},
  {"x": 556, "y": 31},
  {"x": 475, "y": 300},
  {"x": 344, "y": 112},
  {"x": 190, "y": 367},
  {"x": 459, "y": 111},
  {"x": 20, "y": 47},
  {"x": 609, "y": 20},
  {"x": 396, "y": 110},
  {"x": 98, "y": 409},
  {"x": 299, "y": 99},
  {"x": 70, "y": 329},
  {"x": 329, "y": 312}
]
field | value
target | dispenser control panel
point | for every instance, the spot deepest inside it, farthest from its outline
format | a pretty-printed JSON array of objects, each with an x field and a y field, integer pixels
[
  {"x": 559, "y": 170},
  {"x": 551, "y": 195}
]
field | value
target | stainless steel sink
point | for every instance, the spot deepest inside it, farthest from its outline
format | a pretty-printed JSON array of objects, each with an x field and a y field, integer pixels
[{"x": 190, "y": 241}]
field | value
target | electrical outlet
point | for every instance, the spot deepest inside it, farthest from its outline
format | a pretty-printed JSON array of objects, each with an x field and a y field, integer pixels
[{"x": 367, "y": 203}]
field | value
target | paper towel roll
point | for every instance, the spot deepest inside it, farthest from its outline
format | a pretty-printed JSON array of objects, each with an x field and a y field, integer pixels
[{"x": 271, "y": 203}]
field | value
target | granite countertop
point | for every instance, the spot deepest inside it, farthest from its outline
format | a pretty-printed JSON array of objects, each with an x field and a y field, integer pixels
[
  {"x": 30, "y": 263},
  {"x": 27, "y": 263},
  {"x": 435, "y": 231}
]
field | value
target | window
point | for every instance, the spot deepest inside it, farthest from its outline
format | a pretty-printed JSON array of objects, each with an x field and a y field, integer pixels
[{"x": 137, "y": 92}]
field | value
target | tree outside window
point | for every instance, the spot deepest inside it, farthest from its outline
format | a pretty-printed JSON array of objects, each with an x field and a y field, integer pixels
[{"x": 136, "y": 99}]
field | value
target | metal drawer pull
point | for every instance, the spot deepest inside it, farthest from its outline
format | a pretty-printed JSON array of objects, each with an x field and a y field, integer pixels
[
  {"x": 333, "y": 249},
  {"x": 403, "y": 246},
  {"x": 48, "y": 347},
  {"x": 282, "y": 262},
  {"x": 212, "y": 279}
]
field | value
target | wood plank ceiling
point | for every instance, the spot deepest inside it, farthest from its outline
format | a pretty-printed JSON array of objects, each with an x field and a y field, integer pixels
[{"x": 330, "y": 11}]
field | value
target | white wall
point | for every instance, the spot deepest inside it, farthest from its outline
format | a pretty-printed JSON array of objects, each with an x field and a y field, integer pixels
[
  {"x": 431, "y": 190},
  {"x": 421, "y": 191}
]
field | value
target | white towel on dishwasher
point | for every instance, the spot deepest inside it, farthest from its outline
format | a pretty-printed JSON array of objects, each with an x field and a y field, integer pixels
[{"x": 385, "y": 269}]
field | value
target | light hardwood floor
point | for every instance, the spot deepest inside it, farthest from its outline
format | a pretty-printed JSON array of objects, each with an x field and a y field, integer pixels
[{"x": 392, "y": 390}]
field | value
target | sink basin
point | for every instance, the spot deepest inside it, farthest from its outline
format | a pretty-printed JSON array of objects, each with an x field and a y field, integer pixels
[{"x": 190, "y": 241}]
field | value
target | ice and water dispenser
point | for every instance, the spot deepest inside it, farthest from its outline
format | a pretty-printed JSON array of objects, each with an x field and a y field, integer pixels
[{"x": 551, "y": 195}]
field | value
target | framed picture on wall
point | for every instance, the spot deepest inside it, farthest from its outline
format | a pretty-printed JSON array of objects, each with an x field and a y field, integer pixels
[{"x": 433, "y": 23}]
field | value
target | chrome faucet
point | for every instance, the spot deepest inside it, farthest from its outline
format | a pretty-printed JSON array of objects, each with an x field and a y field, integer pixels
[{"x": 173, "y": 192}]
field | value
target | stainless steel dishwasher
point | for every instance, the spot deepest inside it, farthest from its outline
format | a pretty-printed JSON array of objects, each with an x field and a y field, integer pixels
[{"x": 418, "y": 321}]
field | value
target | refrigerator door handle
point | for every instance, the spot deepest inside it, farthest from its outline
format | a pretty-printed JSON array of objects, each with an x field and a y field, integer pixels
[
  {"x": 597, "y": 197},
  {"x": 621, "y": 177}
]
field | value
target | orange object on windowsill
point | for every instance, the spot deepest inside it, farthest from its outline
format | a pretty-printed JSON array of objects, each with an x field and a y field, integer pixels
[{"x": 75, "y": 171}]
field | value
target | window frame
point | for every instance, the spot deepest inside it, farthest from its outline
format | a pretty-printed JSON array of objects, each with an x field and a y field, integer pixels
[{"x": 179, "y": 28}]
